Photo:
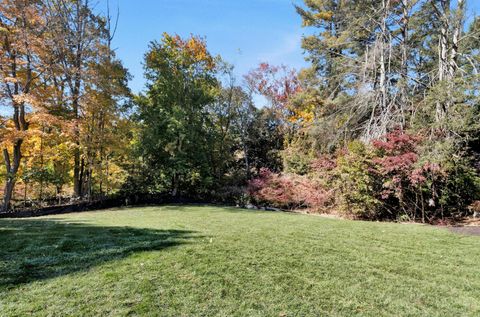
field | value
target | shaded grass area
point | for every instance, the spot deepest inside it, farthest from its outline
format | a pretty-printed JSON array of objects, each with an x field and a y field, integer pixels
[
  {"x": 205, "y": 261},
  {"x": 44, "y": 249}
]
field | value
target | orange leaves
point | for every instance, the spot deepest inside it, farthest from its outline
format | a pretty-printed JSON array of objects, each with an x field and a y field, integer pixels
[
  {"x": 193, "y": 50},
  {"x": 279, "y": 85},
  {"x": 44, "y": 119},
  {"x": 27, "y": 99},
  {"x": 305, "y": 115}
]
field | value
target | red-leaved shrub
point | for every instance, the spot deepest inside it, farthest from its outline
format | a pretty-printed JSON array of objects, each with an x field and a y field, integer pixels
[
  {"x": 389, "y": 178},
  {"x": 289, "y": 191},
  {"x": 396, "y": 159}
]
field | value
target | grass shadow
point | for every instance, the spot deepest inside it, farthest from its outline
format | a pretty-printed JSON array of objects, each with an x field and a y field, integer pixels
[{"x": 32, "y": 250}]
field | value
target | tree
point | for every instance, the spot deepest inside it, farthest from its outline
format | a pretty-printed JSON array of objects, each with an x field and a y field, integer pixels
[
  {"x": 78, "y": 35},
  {"x": 91, "y": 84},
  {"x": 67, "y": 93},
  {"x": 23, "y": 60},
  {"x": 174, "y": 141},
  {"x": 278, "y": 84},
  {"x": 379, "y": 66}
]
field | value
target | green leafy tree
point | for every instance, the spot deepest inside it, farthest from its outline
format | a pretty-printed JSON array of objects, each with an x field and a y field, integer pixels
[{"x": 175, "y": 144}]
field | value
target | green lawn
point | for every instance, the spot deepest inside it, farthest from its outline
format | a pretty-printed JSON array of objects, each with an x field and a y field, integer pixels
[{"x": 211, "y": 261}]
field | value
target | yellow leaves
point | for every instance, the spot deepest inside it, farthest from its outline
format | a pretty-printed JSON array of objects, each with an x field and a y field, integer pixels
[
  {"x": 306, "y": 23},
  {"x": 10, "y": 135},
  {"x": 324, "y": 15},
  {"x": 305, "y": 106},
  {"x": 304, "y": 116},
  {"x": 26, "y": 99},
  {"x": 311, "y": 18},
  {"x": 43, "y": 119},
  {"x": 192, "y": 50}
]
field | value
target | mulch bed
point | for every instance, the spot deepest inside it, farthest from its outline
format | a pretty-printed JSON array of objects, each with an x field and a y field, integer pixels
[{"x": 467, "y": 226}]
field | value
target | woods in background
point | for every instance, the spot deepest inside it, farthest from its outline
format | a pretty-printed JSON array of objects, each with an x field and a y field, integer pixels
[
  {"x": 383, "y": 124},
  {"x": 65, "y": 92},
  {"x": 393, "y": 89}
]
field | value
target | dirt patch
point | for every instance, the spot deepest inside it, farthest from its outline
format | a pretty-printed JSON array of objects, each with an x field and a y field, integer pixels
[
  {"x": 468, "y": 230},
  {"x": 467, "y": 226}
]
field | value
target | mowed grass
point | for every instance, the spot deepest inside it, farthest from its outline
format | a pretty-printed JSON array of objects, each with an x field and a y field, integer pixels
[{"x": 212, "y": 261}]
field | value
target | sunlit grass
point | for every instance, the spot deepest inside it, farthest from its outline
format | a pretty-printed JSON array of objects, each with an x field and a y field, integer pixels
[{"x": 204, "y": 261}]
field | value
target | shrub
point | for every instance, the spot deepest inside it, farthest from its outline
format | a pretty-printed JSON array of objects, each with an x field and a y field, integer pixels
[
  {"x": 231, "y": 195},
  {"x": 295, "y": 160},
  {"x": 354, "y": 182},
  {"x": 289, "y": 191},
  {"x": 389, "y": 178},
  {"x": 460, "y": 186},
  {"x": 396, "y": 158},
  {"x": 418, "y": 184}
]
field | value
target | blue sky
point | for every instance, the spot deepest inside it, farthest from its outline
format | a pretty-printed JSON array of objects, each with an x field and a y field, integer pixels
[{"x": 243, "y": 32}]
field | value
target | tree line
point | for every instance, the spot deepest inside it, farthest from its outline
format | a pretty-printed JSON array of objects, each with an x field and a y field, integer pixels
[
  {"x": 71, "y": 129},
  {"x": 382, "y": 124},
  {"x": 64, "y": 92},
  {"x": 392, "y": 107}
]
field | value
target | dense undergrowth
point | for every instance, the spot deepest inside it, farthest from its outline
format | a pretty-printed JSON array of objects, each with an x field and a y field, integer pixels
[{"x": 389, "y": 178}]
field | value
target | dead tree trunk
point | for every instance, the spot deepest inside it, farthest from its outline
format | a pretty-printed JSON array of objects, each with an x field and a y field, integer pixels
[
  {"x": 441, "y": 108},
  {"x": 403, "y": 104},
  {"x": 380, "y": 115},
  {"x": 458, "y": 20},
  {"x": 449, "y": 38}
]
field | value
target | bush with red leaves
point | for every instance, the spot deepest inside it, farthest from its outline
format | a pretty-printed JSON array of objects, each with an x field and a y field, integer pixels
[
  {"x": 391, "y": 178},
  {"x": 412, "y": 190},
  {"x": 396, "y": 159},
  {"x": 289, "y": 191}
]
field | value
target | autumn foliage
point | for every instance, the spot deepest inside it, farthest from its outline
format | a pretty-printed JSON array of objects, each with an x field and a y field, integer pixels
[
  {"x": 279, "y": 85},
  {"x": 61, "y": 91},
  {"x": 290, "y": 191},
  {"x": 380, "y": 126},
  {"x": 386, "y": 179}
]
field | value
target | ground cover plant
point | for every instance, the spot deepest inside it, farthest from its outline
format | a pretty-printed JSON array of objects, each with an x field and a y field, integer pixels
[{"x": 213, "y": 261}]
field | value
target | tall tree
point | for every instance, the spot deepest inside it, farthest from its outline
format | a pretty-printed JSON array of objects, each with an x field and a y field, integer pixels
[
  {"x": 23, "y": 60},
  {"x": 388, "y": 55},
  {"x": 78, "y": 36},
  {"x": 181, "y": 84}
]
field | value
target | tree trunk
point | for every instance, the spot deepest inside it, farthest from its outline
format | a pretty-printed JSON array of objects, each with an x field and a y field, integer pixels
[
  {"x": 443, "y": 64},
  {"x": 25, "y": 190},
  {"x": 380, "y": 115},
  {"x": 77, "y": 177},
  {"x": 247, "y": 162},
  {"x": 80, "y": 180},
  {"x": 404, "y": 62},
  {"x": 457, "y": 29},
  {"x": 41, "y": 165},
  {"x": 8, "y": 193},
  {"x": 12, "y": 169},
  {"x": 79, "y": 29},
  {"x": 174, "y": 185}
]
